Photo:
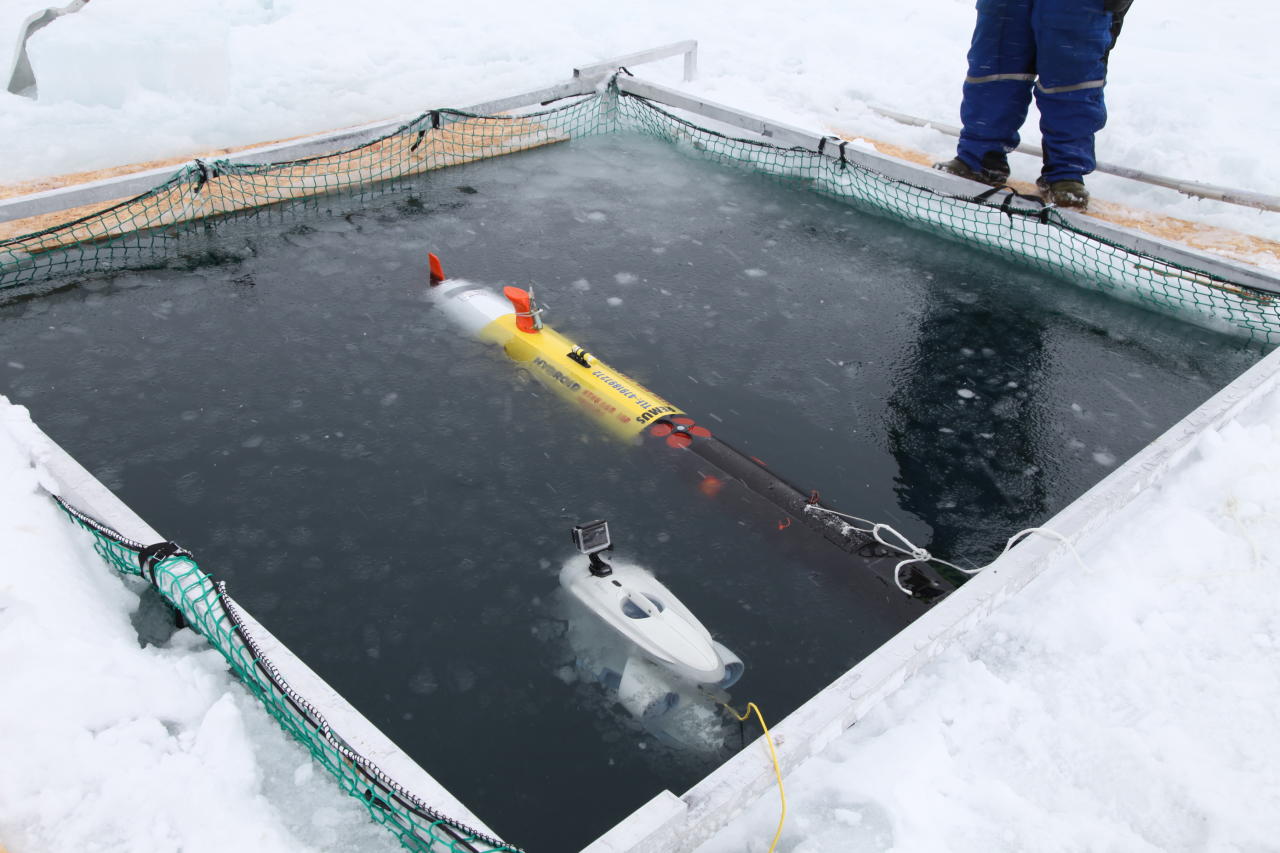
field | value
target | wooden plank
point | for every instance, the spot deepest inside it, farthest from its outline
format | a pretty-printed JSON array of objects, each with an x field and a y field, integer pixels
[
  {"x": 1232, "y": 245},
  {"x": 393, "y": 157}
]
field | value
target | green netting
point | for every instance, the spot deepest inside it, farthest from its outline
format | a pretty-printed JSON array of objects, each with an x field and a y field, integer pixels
[
  {"x": 160, "y": 223},
  {"x": 168, "y": 221},
  {"x": 207, "y": 608},
  {"x": 1035, "y": 235}
]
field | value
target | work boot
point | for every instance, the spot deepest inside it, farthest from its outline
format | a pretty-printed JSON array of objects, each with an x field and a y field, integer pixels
[
  {"x": 1064, "y": 193},
  {"x": 994, "y": 171}
]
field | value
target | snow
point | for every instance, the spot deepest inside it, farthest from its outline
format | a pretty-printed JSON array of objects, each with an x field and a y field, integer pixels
[
  {"x": 1184, "y": 91},
  {"x": 1126, "y": 706},
  {"x": 111, "y": 745}
]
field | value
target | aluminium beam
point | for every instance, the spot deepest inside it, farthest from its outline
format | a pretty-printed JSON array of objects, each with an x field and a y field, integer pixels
[
  {"x": 789, "y": 136},
  {"x": 137, "y": 183},
  {"x": 585, "y": 80},
  {"x": 86, "y": 493},
  {"x": 688, "y": 47},
  {"x": 671, "y": 824},
  {"x": 1197, "y": 189}
]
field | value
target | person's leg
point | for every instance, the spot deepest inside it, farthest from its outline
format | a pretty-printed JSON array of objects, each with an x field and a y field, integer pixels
[
  {"x": 997, "y": 90},
  {"x": 1073, "y": 38}
]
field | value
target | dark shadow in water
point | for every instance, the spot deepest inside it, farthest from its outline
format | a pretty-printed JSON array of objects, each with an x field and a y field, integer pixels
[{"x": 969, "y": 459}]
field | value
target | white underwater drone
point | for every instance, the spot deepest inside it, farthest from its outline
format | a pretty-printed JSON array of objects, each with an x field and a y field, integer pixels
[{"x": 667, "y": 661}]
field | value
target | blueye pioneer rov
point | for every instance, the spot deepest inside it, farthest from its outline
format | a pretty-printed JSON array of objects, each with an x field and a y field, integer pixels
[
  {"x": 626, "y": 409},
  {"x": 666, "y": 660}
]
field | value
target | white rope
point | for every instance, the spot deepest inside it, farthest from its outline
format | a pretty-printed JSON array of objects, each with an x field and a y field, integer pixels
[{"x": 915, "y": 554}]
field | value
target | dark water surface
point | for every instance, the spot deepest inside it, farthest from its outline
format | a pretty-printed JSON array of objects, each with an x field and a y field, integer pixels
[{"x": 391, "y": 501}]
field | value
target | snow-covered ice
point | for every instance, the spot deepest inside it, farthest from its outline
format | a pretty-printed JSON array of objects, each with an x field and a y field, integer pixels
[
  {"x": 112, "y": 745},
  {"x": 1129, "y": 706},
  {"x": 1186, "y": 89}
]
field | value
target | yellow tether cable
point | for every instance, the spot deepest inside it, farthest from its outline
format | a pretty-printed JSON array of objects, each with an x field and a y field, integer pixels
[{"x": 777, "y": 770}]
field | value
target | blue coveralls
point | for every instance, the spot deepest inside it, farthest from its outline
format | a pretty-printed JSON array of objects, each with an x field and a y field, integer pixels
[{"x": 1056, "y": 47}]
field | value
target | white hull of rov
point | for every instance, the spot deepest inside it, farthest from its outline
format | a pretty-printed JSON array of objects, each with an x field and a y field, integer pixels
[{"x": 668, "y": 653}]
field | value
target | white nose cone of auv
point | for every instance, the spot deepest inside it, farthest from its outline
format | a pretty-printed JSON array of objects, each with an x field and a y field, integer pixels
[{"x": 470, "y": 307}]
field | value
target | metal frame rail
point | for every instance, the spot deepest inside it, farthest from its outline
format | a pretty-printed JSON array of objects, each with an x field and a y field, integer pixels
[
  {"x": 1197, "y": 189},
  {"x": 79, "y": 487},
  {"x": 584, "y": 82},
  {"x": 667, "y": 823},
  {"x": 788, "y": 136}
]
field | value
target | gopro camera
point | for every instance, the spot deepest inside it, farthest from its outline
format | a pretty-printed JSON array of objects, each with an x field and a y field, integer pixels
[{"x": 592, "y": 537}]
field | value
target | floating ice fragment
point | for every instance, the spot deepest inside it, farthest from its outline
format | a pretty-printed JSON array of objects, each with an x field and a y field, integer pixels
[
  {"x": 597, "y": 216},
  {"x": 626, "y": 278},
  {"x": 424, "y": 682},
  {"x": 965, "y": 393},
  {"x": 1104, "y": 458},
  {"x": 390, "y": 399},
  {"x": 754, "y": 273},
  {"x": 581, "y": 284},
  {"x": 615, "y": 301}
]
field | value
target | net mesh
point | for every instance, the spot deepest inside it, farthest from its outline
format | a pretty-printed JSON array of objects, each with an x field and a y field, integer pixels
[
  {"x": 207, "y": 609},
  {"x": 1033, "y": 235},
  {"x": 160, "y": 223},
  {"x": 167, "y": 222}
]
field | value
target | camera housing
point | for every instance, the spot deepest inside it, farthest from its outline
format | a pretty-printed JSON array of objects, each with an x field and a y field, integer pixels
[{"x": 592, "y": 536}]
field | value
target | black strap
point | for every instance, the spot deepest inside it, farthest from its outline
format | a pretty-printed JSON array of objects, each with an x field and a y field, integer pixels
[
  {"x": 149, "y": 556},
  {"x": 822, "y": 147},
  {"x": 205, "y": 175},
  {"x": 1041, "y": 212}
]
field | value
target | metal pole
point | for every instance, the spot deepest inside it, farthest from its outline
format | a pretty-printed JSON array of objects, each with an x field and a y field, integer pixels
[{"x": 1191, "y": 188}]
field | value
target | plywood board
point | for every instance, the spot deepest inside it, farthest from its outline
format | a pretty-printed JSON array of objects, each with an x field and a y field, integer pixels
[{"x": 1234, "y": 245}]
